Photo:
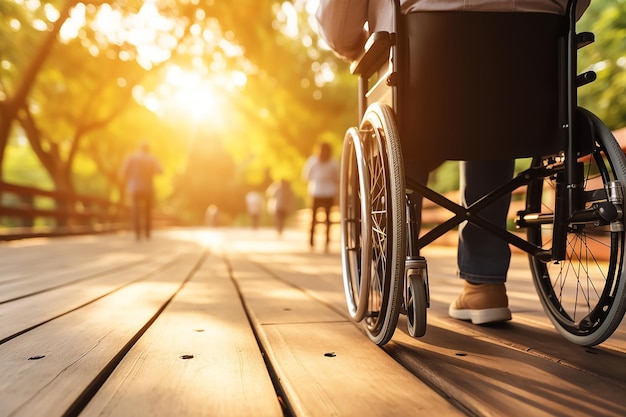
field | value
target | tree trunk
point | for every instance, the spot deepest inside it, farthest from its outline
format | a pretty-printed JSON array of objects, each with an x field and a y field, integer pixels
[{"x": 10, "y": 108}]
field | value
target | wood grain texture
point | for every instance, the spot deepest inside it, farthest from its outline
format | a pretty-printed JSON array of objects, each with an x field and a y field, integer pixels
[
  {"x": 75, "y": 348},
  {"x": 200, "y": 358},
  {"x": 326, "y": 365},
  {"x": 109, "y": 327}
]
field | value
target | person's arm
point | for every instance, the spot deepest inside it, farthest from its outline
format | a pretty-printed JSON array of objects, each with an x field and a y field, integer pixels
[{"x": 342, "y": 26}]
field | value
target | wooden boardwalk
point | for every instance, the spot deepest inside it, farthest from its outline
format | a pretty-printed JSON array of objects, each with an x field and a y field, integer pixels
[{"x": 227, "y": 322}]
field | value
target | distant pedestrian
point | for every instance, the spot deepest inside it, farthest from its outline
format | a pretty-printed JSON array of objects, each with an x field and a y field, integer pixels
[
  {"x": 280, "y": 202},
  {"x": 137, "y": 174},
  {"x": 254, "y": 205},
  {"x": 322, "y": 174},
  {"x": 211, "y": 216}
]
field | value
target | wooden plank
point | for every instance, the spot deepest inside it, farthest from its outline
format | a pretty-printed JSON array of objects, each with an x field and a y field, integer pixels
[
  {"x": 77, "y": 349},
  {"x": 290, "y": 260},
  {"x": 69, "y": 274},
  {"x": 28, "y": 258},
  {"x": 521, "y": 368},
  {"x": 325, "y": 364},
  {"x": 226, "y": 375},
  {"x": 296, "y": 302},
  {"x": 38, "y": 255},
  {"x": 317, "y": 274},
  {"x": 26, "y": 313},
  {"x": 490, "y": 377},
  {"x": 78, "y": 263},
  {"x": 530, "y": 330},
  {"x": 331, "y": 369}
]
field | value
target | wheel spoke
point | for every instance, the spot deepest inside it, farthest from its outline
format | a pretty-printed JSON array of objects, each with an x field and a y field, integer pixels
[{"x": 581, "y": 293}]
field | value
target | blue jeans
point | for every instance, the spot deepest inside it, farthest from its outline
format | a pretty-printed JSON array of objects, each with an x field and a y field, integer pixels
[{"x": 483, "y": 257}]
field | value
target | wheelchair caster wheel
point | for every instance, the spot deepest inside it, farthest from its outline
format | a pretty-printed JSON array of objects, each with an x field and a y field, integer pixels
[{"x": 416, "y": 301}]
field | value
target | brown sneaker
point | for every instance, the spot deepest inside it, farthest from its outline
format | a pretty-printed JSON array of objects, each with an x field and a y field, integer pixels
[{"x": 481, "y": 303}]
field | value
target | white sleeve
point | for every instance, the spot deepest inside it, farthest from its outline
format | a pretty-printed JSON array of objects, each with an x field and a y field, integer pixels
[{"x": 342, "y": 25}]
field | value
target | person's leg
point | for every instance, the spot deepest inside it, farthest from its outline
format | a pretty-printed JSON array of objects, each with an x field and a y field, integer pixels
[
  {"x": 135, "y": 215},
  {"x": 280, "y": 221},
  {"x": 327, "y": 205},
  {"x": 483, "y": 259},
  {"x": 148, "y": 215},
  {"x": 316, "y": 206}
]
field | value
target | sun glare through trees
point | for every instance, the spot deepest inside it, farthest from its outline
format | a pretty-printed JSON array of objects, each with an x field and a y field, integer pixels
[{"x": 238, "y": 90}]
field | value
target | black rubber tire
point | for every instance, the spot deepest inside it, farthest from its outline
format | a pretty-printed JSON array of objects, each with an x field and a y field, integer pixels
[{"x": 584, "y": 295}]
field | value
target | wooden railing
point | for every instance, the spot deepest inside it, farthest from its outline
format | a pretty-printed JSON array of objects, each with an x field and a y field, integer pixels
[{"x": 31, "y": 212}]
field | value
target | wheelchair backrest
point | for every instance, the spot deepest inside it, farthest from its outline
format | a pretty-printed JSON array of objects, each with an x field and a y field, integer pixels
[{"x": 476, "y": 85}]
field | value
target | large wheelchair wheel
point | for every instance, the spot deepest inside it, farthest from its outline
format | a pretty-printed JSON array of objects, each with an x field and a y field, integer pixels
[
  {"x": 373, "y": 223},
  {"x": 355, "y": 212},
  {"x": 584, "y": 295}
]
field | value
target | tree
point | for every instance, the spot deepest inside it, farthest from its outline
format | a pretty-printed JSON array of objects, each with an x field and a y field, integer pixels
[
  {"x": 90, "y": 92},
  {"x": 15, "y": 99},
  {"x": 607, "y": 56}
]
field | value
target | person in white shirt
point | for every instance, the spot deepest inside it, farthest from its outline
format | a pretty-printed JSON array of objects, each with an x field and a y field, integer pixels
[
  {"x": 483, "y": 259},
  {"x": 280, "y": 202},
  {"x": 254, "y": 205},
  {"x": 322, "y": 174}
]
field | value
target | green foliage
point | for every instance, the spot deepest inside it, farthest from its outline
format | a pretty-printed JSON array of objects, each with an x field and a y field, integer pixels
[
  {"x": 209, "y": 179},
  {"x": 607, "y": 57},
  {"x": 14, "y": 19},
  {"x": 98, "y": 94},
  {"x": 445, "y": 178},
  {"x": 23, "y": 167}
]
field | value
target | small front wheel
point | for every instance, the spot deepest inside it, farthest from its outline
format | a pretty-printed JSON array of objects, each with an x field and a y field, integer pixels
[{"x": 416, "y": 300}]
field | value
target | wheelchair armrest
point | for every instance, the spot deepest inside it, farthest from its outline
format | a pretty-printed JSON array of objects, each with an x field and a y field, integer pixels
[{"x": 376, "y": 51}]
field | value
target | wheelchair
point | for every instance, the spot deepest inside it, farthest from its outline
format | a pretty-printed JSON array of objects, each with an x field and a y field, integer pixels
[{"x": 436, "y": 86}]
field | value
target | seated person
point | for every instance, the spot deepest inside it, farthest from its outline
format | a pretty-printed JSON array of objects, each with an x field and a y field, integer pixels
[{"x": 483, "y": 259}]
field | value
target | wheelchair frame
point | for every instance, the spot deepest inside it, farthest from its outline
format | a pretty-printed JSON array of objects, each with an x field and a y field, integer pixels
[{"x": 384, "y": 274}]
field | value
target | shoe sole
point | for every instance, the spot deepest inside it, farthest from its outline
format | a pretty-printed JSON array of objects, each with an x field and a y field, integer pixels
[{"x": 488, "y": 315}]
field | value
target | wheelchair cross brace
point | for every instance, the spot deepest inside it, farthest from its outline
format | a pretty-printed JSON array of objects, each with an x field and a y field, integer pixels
[
  {"x": 462, "y": 214},
  {"x": 604, "y": 212}
]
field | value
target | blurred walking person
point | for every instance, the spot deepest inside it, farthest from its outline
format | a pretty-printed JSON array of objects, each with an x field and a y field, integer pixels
[
  {"x": 322, "y": 174},
  {"x": 137, "y": 173},
  {"x": 280, "y": 202},
  {"x": 254, "y": 205}
]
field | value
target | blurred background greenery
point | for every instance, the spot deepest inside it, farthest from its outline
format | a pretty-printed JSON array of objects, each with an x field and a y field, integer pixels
[{"x": 231, "y": 95}]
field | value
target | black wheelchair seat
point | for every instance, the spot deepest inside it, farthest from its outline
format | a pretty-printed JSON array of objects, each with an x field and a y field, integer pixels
[{"x": 481, "y": 85}]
